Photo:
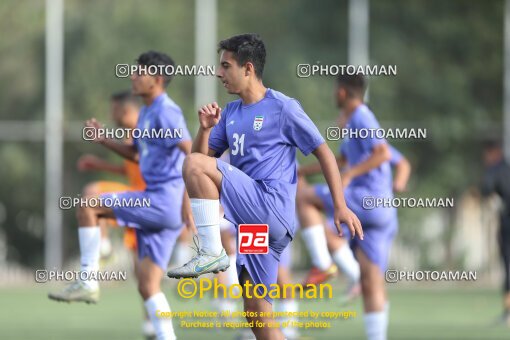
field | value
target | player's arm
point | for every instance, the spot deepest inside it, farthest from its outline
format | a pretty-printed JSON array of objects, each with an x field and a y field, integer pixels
[
  {"x": 209, "y": 115},
  {"x": 332, "y": 175},
  {"x": 402, "y": 174},
  {"x": 315, "y": 167},
  {"x": 380, "y": 154},
  {"x": 125, "y": 150},
  {"x": 93, "y": 163},
  {"x": 200, "y": 144},
  {"x": 211, "y": 138}
]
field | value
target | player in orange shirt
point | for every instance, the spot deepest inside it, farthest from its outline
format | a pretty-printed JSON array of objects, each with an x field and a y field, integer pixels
[{"x": 124, "y": 112}]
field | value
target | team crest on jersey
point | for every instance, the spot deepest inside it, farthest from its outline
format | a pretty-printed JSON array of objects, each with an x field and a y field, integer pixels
[{"x": 257, "y": 123}]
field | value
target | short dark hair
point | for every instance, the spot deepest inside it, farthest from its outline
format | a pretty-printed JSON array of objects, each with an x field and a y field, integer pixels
[
  {"x": 492, "y": 143},
  {"x": 156, "y": 58},
  {"x": 354, "y": 84},
  {"x": 246, "y": 48},
  {"x": 124, "y": 97}
]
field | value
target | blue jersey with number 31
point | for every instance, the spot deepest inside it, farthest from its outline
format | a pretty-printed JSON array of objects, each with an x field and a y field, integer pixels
[{"x": 263, "y": 137}]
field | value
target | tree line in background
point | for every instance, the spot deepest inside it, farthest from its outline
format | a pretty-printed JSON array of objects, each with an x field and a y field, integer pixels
[{"x": 448, "y": 53}]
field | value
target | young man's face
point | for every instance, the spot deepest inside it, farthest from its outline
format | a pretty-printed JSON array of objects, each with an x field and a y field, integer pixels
[
  {"x": 233, "y": 76},
  {"x": 144, "y": 84},
  {"x": 125, "y": 115},
  {"x": 341, "y": 96},
  {"x": 492, "y": 156}
]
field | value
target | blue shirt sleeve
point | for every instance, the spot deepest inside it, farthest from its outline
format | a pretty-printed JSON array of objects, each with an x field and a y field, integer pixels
[
  {"x": 173, "y": 120},
  {"x": 367, "y": 120},
  {"x": 396, "y": 156},
  {"x": 298, "y": 129},
  {"x": 218, "y": 139}
]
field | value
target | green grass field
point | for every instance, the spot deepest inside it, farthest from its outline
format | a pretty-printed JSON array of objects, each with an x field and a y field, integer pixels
[{"x": 449, "y": 313}]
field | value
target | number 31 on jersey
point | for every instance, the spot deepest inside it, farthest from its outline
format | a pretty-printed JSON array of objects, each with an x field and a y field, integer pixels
[{"x": 238, "y": 144}]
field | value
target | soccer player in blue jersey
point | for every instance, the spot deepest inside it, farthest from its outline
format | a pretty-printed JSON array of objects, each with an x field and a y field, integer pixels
[
  {"x": 262, "y": 129},
  {"x": 368, "y": 175},
  {"x": 158, "y": 225},
  {"x": 337, "y": 251}
]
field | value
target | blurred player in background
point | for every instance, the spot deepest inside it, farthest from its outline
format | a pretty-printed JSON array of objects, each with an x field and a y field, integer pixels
[
  {"x": 313, "y": 231},
  {"x": 262, "y": 129},
  {"x": 124, "y": 111},
  {"x": 158, "y": 225},
  {"x": 496, "y": 180},
  {"x": 368, "y": 175},
  {"x": 313, "y": 200},
  {"x": 337, "y": 250}
]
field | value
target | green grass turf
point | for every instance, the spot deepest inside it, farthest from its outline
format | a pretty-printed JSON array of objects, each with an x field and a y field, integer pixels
[{"x": 416, "y": 313}]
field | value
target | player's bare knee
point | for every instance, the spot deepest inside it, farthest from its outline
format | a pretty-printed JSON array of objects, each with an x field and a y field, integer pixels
[{"x": 193, "y": 165}]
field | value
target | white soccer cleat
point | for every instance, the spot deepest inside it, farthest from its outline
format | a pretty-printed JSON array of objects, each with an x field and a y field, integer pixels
[
  {"x": 200, "y": 264},
  {"x": 78, "y": 291}
]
